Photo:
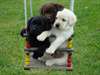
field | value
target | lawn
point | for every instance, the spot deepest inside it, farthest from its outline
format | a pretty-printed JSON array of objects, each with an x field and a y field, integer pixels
[{"x": 86, "y": 57}]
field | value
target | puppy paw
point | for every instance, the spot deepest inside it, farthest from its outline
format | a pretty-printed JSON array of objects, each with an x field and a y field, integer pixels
[
  {"x": 41, "y": 38},
  {"x": 49, "y": 63},
  {"x": 50, "y": 51}
]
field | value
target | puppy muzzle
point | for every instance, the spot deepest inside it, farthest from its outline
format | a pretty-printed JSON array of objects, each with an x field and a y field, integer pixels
[{"x": 57, "y": 25}]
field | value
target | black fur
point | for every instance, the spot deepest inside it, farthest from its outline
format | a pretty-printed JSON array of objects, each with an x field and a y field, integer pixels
[{"x": 35, "y": 26}]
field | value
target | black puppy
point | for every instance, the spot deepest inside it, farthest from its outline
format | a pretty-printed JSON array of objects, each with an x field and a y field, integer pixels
[{"x": 35, "y": 26}]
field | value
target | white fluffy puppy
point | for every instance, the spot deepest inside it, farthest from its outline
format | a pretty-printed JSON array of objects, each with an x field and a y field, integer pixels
[{"x": 63, "y": 30}]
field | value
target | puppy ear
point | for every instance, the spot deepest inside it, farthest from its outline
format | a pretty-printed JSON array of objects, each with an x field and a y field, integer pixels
[{"x": 72, "y": 19}]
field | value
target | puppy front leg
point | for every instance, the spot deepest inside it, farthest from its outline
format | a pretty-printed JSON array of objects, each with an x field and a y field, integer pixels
[
  {"x": 43, "y": 35},
  {"x": 59, "y": 41}
]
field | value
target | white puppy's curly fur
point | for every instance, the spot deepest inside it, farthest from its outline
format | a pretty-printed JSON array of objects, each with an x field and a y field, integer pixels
[{"x": 63, "y": 30}]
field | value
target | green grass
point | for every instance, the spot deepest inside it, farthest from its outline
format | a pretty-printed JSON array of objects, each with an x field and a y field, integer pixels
[{"x": 86, "y": 58}]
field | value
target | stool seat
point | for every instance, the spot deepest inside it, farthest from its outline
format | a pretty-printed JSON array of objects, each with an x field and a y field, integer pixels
[
  {"x": 60, "y": 49},
  {"x": 31, "y": 49}
]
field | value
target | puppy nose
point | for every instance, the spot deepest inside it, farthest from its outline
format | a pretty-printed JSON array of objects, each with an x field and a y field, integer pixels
[{"x": 57, "y": 25}]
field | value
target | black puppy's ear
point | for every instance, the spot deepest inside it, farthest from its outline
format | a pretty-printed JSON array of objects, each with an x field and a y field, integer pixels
[
  {"x": 30, "y": 21},
  {"x": 24, "y": 31},
  {"x": 30, "y": 24}
]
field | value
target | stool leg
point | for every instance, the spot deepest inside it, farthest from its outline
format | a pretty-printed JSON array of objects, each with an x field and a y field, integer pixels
[
  {"x": 70, "y": 43},
  {"x": 27, "y": 59},
  {"x": 69, "y": 65},
  {"x": 27, "y": 44}
]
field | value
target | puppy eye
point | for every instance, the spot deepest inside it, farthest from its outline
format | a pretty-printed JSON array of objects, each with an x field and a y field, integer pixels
[{"x": 63, "y": 20}]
